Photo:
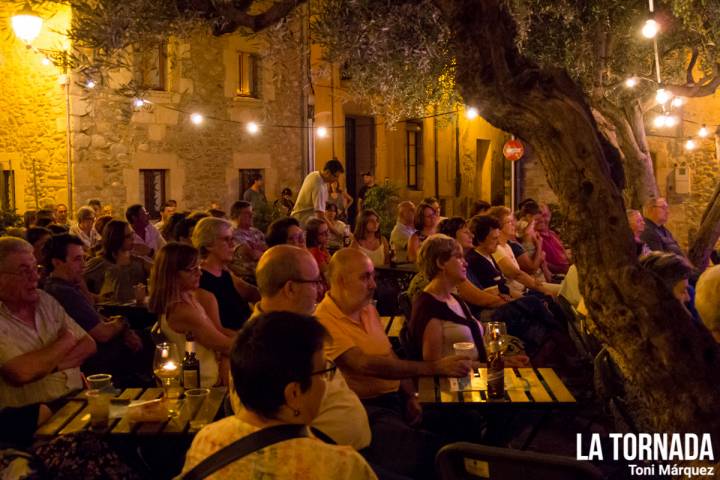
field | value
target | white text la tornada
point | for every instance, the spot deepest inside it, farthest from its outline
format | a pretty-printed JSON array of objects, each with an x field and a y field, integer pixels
[{"x": 648, "y": 447}]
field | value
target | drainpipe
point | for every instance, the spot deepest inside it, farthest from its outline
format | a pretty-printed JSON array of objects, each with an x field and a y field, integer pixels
[{"x": 435, "y": 153}]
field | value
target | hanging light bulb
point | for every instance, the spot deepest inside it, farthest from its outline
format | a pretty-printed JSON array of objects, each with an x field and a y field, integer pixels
[
  {"x": 671, "y": 121},
  {"x": 138, "y": 103},
  {"x": 196, "y": 118},
  {"x": 662, "y": 95},
  {"x": 650, "y": 29},
  {"x": 90, "y": 84},
  {"x": 26, "y": 24},
  {"x": 471, "y": 113},
  {"x": 660, "y": 120},
  {"x": 322, "y": 132},
  {"x": 45, "y": 61},
  {"x": 703, "y": 132},
  {"x": 252, "y": 128},
  {"x": 690, "y": 144},
  {"x": 631, "y": 82},
  {"x": 677, "y": 102}
]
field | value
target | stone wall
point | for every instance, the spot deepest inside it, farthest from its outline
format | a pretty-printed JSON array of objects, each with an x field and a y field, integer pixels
[
  {"x": 33, "y": 114},
  {"x": 114, "y": 140}
]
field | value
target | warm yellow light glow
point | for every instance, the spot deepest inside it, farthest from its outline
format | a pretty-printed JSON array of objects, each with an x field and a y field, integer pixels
[
  {"x": 677, "y": 102},
  {"x": 90, "y": 84},
  {"x": 703, "y": 132},
  {"x": 322, "y": 132},
  {"x": 659, "y": 121},
  {"x": 671, "y": 121},
  {"x": 662, "y": 95},
  {"x": 45, "y": 61},
  {"x": 252, "y": 128},
  {"x": 138, "y": 102},
  {"x": 690, "y": 145},
  {"x": 650, "y": 29},
  {"x": 26, "y": 24},
  {"x": 631, "y": 82},
  {"x": 196, "y": 118},
  {"x": 471, "y": 113}
]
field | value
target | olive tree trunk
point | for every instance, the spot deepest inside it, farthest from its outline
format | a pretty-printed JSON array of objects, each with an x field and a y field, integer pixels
[{"x": 672, "y": 368}]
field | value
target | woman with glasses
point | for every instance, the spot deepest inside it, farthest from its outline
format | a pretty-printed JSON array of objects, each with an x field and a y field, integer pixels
[
  {"x": 318, "y": 239},
  {"x": 174, "y": 285},
  {"x": 285, "y": 231},
  {"x": 213, "y": 237},
  {"x": 425, "y": 222},
  {"x": 279, "y": 373},
  {"x": 115, "y": 271},
  {"x": 368, "y": 239}
]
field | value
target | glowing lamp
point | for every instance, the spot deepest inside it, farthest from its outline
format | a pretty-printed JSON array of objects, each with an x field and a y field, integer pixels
[
  {"x": 671, "y": 121},
  {"x": 659, "y": 121},
  {"x": 196, "y": 118},
  {"x": 662, "y": 95},
  {"x": 650, "y": 29},
  {"x": 690, "y": 145},
  {"x": 26, "y": 24},
  {"x": 252, "y": 128},
  {"x": 322, "y": 132},
  {"x": 677, "y": 102},
  {"x": 703, "y": 132},
  {"x": 471, "y": 113},
  {"x": 631, "y": 82}
]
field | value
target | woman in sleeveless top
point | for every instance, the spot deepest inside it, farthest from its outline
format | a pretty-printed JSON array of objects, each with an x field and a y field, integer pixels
[
  {"x": 425, "y": 221},
  {"x": 174, "y": 295},
  {"x": 439, "y": 317},
  {"x": 368, "y": 239}
]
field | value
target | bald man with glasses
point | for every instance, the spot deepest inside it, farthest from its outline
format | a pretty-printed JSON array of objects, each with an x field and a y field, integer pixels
[{"x": 656, "y": 236}]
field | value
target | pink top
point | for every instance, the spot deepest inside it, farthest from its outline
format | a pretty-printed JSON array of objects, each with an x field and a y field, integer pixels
[{"x": 555, "y": 255}]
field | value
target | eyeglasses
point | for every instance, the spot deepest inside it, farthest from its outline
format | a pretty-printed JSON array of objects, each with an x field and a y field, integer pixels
[
  {"x": 26, "y": 272},
  {"x": 318, "y": 281},
  {"x": 327, "y": 373}
]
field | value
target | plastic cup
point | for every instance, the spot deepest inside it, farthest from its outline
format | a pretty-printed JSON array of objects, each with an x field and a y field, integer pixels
[
  {"x": 467, "y": 350},
  {"x": 100, "y": 381},
  {"x": 99, "y": 406},
  {"x": 195, "y": 398}
]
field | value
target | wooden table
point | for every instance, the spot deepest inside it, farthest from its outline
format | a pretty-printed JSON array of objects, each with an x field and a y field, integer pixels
[
  {"x": 74, "y": 416},
  {"x": 526, "y": 386}
]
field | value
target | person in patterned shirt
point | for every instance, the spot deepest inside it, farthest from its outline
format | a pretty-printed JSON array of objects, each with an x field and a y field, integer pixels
[{"x": 250, "y": 241}]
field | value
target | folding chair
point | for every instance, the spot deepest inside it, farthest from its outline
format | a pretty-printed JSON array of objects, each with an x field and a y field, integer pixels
[{"x": 472, "y": 461}]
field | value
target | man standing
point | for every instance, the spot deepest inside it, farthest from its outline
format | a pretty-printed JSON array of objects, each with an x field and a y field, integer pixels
[
  {"x": 368, "y": 183},
  {"x": 41, "y": 347},
  {"x": 65, "y": 261},
  {"x": 147, "y": 239},
  {"x": 362, "y": 351},
  {"x": 61, "y": 215},
  {"x": 655, "y": 235},
  {"x": 288, "y": 279},
  {"x": 314, "y": 192},
  {"x": 255, "y": 194},
  {"x": 403, "y": 230}
]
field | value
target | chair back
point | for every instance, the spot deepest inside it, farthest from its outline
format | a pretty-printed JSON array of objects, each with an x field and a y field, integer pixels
[{"x": 472, "y": 461}]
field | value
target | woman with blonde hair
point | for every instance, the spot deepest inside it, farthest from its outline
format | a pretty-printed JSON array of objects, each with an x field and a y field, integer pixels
[{"x": 174, "y": 287}]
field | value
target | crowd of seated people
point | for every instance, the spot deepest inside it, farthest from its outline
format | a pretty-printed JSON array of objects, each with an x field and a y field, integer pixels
[{"x": 248, "y": 298}]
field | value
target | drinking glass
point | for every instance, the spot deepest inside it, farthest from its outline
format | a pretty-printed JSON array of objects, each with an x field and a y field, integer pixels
[
  {"x": 495, "y": 331},
  {"x": 167, "y": 366}
]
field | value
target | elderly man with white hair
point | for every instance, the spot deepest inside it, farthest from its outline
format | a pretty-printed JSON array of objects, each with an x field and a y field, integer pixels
[
  {"x": 707, "y": 300},
  {"x": 41, "y": 347}
]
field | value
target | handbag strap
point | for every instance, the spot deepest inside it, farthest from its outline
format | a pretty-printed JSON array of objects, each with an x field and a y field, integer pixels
[{"x": 243, "y": 447}]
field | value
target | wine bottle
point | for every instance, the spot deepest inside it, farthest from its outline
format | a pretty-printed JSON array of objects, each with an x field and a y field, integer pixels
[
  {"x": 496, "y": 368},
  {"x": 190, "y": 364}
]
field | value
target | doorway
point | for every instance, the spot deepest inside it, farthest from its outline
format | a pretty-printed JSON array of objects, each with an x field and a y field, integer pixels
[{"x": 359, "y": 155}]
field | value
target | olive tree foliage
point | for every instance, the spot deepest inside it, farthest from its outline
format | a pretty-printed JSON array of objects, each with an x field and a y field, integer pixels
[{"x": 396, "y": 53}]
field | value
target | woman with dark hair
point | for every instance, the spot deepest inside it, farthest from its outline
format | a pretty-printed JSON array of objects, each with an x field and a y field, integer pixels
[
  {"x": 115, "y": 271},
  {"x": 285, "y": 231},
  {"x": 425, "y": 223},
  {"x": 174, "y": 283},
  {"x": 317, "y": 238},
  {"x": 338, "y": 230},
  {"x": 168, "y": 228},
  {"x": 283, "y": 205},
  {"x": 183, "y": 230},
  {"x": 279, "y": 373},
  {"x": 38, "y": 237},
  {"x": 368, "y": 239}
]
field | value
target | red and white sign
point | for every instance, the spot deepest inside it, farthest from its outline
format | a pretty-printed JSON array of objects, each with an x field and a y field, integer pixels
[{"x": 513, "y": 150}]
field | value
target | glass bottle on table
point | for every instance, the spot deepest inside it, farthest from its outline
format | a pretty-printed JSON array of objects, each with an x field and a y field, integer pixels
[
  {"x": 190, "y": 364},
  {"x": 494, "y": 347}
]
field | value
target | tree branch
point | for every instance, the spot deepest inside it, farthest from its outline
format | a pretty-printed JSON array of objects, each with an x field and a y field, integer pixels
[
  {"x": 693, "y": 60},
  {"x": 230, "y": 18},
  {"x": 692, "y": 90}
]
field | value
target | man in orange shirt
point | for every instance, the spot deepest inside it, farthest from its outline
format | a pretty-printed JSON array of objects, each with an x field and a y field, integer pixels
[{"x": 362, "y": 351}]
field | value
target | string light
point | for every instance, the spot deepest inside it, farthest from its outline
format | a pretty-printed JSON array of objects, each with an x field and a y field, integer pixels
[
  {"x": 650, "y": 29},
  {"x": 45, "y": 61},
  {"x": 252, "y": 128},
  {"x": 471, "y": 113},
  {"x": 690, "y": 144},
  {"x": 196, "y": 118},
  {"x": 322, "y": 132},
  {"x": 703, "y": 132},
  {"x": 90, "y": 84},
  {"x": 631, "y": 82},
  {"x": 677, "y": 102},
  {"x": 671, "y": 121},
  {"x": 138, "y": 102},
  {"x": 662, "y": 95},
  {"x": 660, "y": 120}
]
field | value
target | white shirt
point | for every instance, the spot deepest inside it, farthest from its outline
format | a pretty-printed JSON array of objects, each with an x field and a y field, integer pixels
[
  {"x": 18, "y": 338},
  {"x": 91, "y": 240},
  {"x": 312, "y": 197},
  {"x": 399, "y": 238},
  {"x": 152, "y": 239}
]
